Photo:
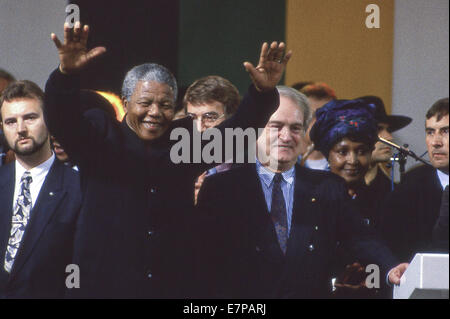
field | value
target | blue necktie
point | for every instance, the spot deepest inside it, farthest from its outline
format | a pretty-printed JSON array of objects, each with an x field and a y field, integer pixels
[
  {"x": 21, "y": 215},
  {"x": 278, "y": 212}
]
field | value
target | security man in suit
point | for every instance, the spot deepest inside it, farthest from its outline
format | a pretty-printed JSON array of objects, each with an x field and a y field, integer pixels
[
  {"x": 39, "y": 202},
  {"x": 412, "y": 216},
  {"x": 270, "y": 229}
]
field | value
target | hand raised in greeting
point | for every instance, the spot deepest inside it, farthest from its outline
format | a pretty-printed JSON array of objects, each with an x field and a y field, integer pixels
[{"x": 73, "y": 53}]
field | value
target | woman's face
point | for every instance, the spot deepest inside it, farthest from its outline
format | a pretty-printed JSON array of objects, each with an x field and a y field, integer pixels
[{"x": 350, "y": 160}]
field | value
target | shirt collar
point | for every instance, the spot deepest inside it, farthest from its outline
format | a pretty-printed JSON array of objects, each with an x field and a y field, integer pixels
[
  {"x": 43, "y": 168},
  {"x": 267, "y": 175},
  {"x": 443, "y": 178}
]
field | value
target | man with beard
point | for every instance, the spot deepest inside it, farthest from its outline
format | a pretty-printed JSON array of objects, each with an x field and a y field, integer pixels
[
  {"x": 39, "y": 201},
  {"x": 135, "y": 238}
]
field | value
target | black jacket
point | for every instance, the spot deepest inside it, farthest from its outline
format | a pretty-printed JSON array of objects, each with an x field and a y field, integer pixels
[
  {"x": 135, "y": 240},
  {"x": 410, "y": 213},
  {"x": 39, "y": 270},
  {"x": 239, "y": 255}
]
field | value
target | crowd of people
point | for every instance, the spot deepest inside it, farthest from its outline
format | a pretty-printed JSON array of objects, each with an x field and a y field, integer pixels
[{"x": 78, "y": 187}]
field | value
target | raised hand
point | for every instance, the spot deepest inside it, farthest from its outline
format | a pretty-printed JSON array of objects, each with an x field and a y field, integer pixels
[
  {"x": 73, "y": 53},
  {"x": 272, "y": 63}
]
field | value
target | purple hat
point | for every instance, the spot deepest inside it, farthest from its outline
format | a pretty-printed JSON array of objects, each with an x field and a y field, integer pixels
[{"x": 343, "y": 118}]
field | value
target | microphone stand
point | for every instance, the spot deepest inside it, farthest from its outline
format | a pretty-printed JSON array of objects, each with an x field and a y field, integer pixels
[{"x": 404, "y": 152}]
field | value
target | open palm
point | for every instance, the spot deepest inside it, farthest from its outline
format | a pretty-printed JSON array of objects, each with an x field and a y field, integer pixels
[
  {"x": 73, "y": 52},
  {"x": 271, "y": 66}
]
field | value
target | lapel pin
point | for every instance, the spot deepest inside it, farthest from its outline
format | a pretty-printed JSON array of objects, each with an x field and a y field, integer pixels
[{"x": 313, "y": 200}]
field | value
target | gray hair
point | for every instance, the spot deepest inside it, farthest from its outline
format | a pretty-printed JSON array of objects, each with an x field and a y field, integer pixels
[
  {"x": 148, "y": 72},
  {"x": 298, "y": 98}
]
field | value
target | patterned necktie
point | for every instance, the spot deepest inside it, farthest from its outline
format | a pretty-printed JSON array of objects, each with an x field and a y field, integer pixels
[
  {"x": 21, "y": 215},
  {"x": 278, "y": 212}
]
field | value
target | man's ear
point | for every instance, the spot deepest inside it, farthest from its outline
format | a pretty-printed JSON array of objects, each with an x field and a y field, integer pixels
[{"x": 125, "y": 104}]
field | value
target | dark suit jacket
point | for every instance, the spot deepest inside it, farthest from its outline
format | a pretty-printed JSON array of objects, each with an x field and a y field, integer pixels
[
  {"x": 372, "y": 197},
  {"x": 39, "y": 270},
  {"x": 440, "y": 229},
  {"x": 135, "y": 236},
  {"x": 239, "y": 255},
  {"x": 410, "y": 213}
]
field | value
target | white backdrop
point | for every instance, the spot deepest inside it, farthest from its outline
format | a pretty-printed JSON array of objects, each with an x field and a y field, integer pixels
[
  {"x": 421, "y": 64},
  {"x": 26, "y": 50}
]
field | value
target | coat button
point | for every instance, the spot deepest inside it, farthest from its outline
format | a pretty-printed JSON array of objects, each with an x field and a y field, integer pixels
[
  {"x": 257, "y": 249},
  {"x": 149, "y": 275},
  {"x": 316, "y": 227},
  {"x": 51, "y": 193},
  {"x": 313, "y": 200},
  {"x": 311, "y": 247}
]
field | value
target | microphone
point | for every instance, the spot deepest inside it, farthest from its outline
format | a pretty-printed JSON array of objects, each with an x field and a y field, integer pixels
[
  {"x": 403, "y": 150},
  {"x": 398, "y": 147}
]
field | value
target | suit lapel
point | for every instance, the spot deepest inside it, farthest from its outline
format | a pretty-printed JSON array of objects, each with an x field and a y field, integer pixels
[
  {"x": 302, "y": 213},
  {"x": 303, "y": 206},
  {"x": 262, "y": 228},
  {"x": 7, "y": 183},
  {"x": 48, "y": 199}
]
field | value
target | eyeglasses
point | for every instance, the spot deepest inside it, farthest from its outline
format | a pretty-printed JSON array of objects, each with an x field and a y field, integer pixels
[{"x": 207, "y": 118}]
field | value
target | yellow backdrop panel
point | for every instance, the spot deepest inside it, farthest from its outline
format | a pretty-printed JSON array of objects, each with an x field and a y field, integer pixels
[{"x": 331, "y": 43}]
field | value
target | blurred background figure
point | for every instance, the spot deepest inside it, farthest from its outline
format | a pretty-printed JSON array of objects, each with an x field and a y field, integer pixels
[
  {"x": 106, "y": 101},
  {"x": 300, "y": 85},
  {"x": 210, "y": 101},
  {"x": 318, "y": 95},
  {"x": 5, "y": 79},
  {"x": 59, "y": 151},
  {"x": 378, "y": 178},
  {"x": 5, "y": 157}
]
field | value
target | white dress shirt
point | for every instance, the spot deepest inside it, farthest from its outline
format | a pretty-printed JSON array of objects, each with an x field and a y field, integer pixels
[
  {"x": 287, "y": 186},
  {"x": 443, "y": 178},
  {"x": 38, "y": 173}
]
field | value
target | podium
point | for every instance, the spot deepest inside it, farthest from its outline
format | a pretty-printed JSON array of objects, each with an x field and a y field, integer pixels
[{"x": 426, "y": 278}]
